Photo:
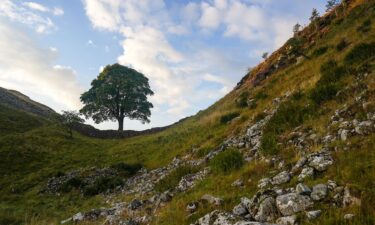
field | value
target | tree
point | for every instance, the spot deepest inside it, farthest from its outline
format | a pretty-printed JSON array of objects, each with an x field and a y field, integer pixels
[
  {"x": 116, "y": 93},
  {"x": 331, "y": 4},
  {"x": 265, "y": 55},
  {"x": 69, "y": 118},
  {"x": 296, "y": 29},
  {"x": 314, "y": 18}
]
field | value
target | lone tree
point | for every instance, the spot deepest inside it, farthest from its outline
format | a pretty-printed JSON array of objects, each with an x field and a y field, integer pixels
[
  {"x": 69, "y": 118},
  {"x": 331, "y": 4},
  {"x": 296, "y": 29},
  {"x": 265, "y": 55},
  {"x": 116, "y": 93},
  {"x": 314, "y": 18}
]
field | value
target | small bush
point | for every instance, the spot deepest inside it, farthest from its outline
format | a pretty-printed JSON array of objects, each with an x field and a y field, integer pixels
[
  {"x": 320, "y": 51},
  {"x": 103, "y": 184},
  {"x": 228, "y": 117},
  {"x": 127, "y": 169},
  {"x": 269, "y": 144},
  {"x": 171, "y": 181},
  {"x": 342, "y": 45},
  {"x": 242, "y": 100},
  {"x": 73, "y": 183},
  {"x": 227, "y": 161},
  {"x": 365, "y": 27},
  {"x": 322, "y": 93},
  {"x": 360, "y": 53}
]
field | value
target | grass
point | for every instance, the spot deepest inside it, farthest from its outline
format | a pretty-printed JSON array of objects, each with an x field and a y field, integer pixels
[
  {"x": 34, "y": 150},
  {"x": 227, "y": 161}
]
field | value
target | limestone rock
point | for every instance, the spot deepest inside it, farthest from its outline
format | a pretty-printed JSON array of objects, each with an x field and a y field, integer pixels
[
  {"x": 287, "y": 220},
  {"x": 212, "y": 200},
  {"x": 303, "y": 189},
  {"x": 305, "y": 173},
  {"x": 319, "y": 192},
  {"x": 313, "y": 214},
  {"x": 281, "y": 178},
  {"x": 291, "y": 203}
]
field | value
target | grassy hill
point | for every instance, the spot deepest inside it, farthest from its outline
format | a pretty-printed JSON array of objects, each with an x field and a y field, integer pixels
[{"x": 338, "y": 73}]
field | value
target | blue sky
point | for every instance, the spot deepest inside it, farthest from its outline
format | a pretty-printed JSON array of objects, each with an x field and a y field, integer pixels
[{"x": 193, "y": 52}]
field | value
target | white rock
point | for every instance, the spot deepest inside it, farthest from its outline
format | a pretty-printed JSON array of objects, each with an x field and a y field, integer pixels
[
  {"x": 313, "y": 214},
  {"x": 291, "y": 203}
]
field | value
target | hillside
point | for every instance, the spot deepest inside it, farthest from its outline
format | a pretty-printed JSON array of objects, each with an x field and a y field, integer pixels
[{"x": 293, "y": 143}]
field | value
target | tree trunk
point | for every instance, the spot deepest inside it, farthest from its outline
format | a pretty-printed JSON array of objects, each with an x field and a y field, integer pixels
[{"x": 120, "y": 123}]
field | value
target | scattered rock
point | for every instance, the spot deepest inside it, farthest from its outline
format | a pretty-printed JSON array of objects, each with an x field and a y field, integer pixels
[
  {"x": 240, "y": 210},
  {"x": 281, "y": 178},
  {"x": 291, "y": 203},
  {"x": 77, "y": 217},
  {"x": 135, "y": 204},
  {"x": 303, "y": 189},
  {"x": 349, "y": 216},
  {"x": 212, "y": 200},
  {"x": 287, "y": 220},
  {"x": 237, "y": 183},
  {"x": 216, "y": 217},
  {"x": 321, "y": 162},
  {"x": 267, "y": 210},
  {"x": 319, "y": 192},
  {"x": 263, "y": 183},
  {"x": 192, "y": 207},
  {"x": 305, "y": 173},
  {"x": 165, "y": 197},
  {"x": 313, "y": 214}
]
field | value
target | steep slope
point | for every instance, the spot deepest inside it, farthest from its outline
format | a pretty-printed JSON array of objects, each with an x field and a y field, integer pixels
[{"x": 292, "y": 119}]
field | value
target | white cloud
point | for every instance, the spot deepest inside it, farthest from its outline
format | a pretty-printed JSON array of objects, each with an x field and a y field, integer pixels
[
  {"x": 36, "y": 6},
  {"x": 31, "y": 69},
  {"x": 90, "y": 43},
  {"x": 58, "y": 11},
  {"x": 25, "y": 13}
]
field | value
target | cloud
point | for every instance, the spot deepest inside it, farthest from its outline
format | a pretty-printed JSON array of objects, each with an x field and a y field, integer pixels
[
  {"x": 25, "y": 13},
  {"x": 29, "y": 68}
]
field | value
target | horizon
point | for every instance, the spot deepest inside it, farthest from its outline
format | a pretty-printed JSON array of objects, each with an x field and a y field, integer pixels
[{"x": 58, "y": 48}]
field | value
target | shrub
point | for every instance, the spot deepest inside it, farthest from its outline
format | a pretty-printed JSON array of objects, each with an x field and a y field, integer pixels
[
  {"x": 127, "y": 169},
  {"x": 342, "y": 45},
  {"x": 73, "y": 183},
  {"x": 360, "y": 53},
  {"x": 269, "y": 144},
  {"x": 320, "y": 51},
  {"x": 228, "y": 117},
  {"x": 322, "y": 93},
  {"x": 365, "y": 27},
  {"x": 227, "y": 161},
  {"x": 171, "y": 181},
  {"x": 102, "y": 185},
  {"x": 242, "y": 100}
]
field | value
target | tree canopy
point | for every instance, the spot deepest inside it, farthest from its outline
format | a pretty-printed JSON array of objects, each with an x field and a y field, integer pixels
[{"x": 116, "y": 93}]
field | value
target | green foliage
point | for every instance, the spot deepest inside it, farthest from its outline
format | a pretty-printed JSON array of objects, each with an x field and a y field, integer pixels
[
  {"x": 73, "y": 183},
  {"x": 242, "y": 100},
  {"x": 365, "y": 27},
  {"x": 329, "y": 83},
  {"x": 342, "y": 45},
  {"x": 127, "y": 169},
  {"x": 69, "y": 119},
  {"x": 171, "y": 181},
  {"x": 227, "y": 161},
  {"x": 269, "y": 144},
  {"x": 320, "y": 51},
  {"x": 102, "y": 185},
  {"x": 228, "y": 117},
  {"x": 116, "y": 93},
  {"x": 360, "y": 53}
]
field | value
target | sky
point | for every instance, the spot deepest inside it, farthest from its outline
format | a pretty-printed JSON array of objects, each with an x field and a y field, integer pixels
[{"x": 193, "y": 52}]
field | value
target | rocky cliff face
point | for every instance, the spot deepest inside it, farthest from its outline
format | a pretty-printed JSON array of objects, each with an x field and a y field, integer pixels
[{"x": 15, "y": 99}]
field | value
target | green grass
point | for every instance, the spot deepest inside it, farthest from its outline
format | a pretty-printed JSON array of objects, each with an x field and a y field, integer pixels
[{"x": 227, "y": 161}]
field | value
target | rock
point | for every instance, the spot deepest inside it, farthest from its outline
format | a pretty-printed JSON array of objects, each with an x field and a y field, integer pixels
[
  {"x": 212, "y": 200},
  {"x": 267, "y": 210},
  {"x": 77, "y": 217},
  {"x": 305, "y": 173},
  {"x": 216, "y": 217},
  {"x": 348, "y": 199},
  {"x": 291, "y": 203},
  {"x": 303, "y": 189},
  {"x": 313, "y": 214},
  {"x": 300, "y": 163},
  {"x": 263, "y": 183},
  {"x": 349, "y": 216},
  {"x": 240, "y": 210},
  {"x": 319, "y": 192},
  {"x": 237, "y": 183},
  {"x": 66, "y": 221},
  {"x": 252, "y": 223},
  {"x": 135, "y": 204},
  {"x": 281, "y": 178},
  {"x": 165, "y": 197},
  {"x": 321, "y": 162},
  {"x": 192, "y": 207},
  {"x": 331, "y": 185},
  {"x": 344, "y": 135},
  {"x": 287, "y": 220}
]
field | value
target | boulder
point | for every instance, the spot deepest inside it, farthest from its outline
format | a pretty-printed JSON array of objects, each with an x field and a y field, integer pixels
[
  {"x": 321, "y": 162},
  {"x": 240, "y": 210},
  {"x": 281, "y": 178},
  {"x": 303, "y": 189},
  {"x": 192, "y": 207},
  {"x": 287, "y": 220},
  {"x": 212, "y": 200},
  {"x": 267, "y": 210},
  {"x": 313, "y": 214},
  {"x": 292, "y": 203},
  {"x": 305, "y": 173},
  {"x": 263, "y": 183},
  {"x": 78, "y": 217},
  {"x": 216, "y": 217},
  {"x": 319, "y": 192}
]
